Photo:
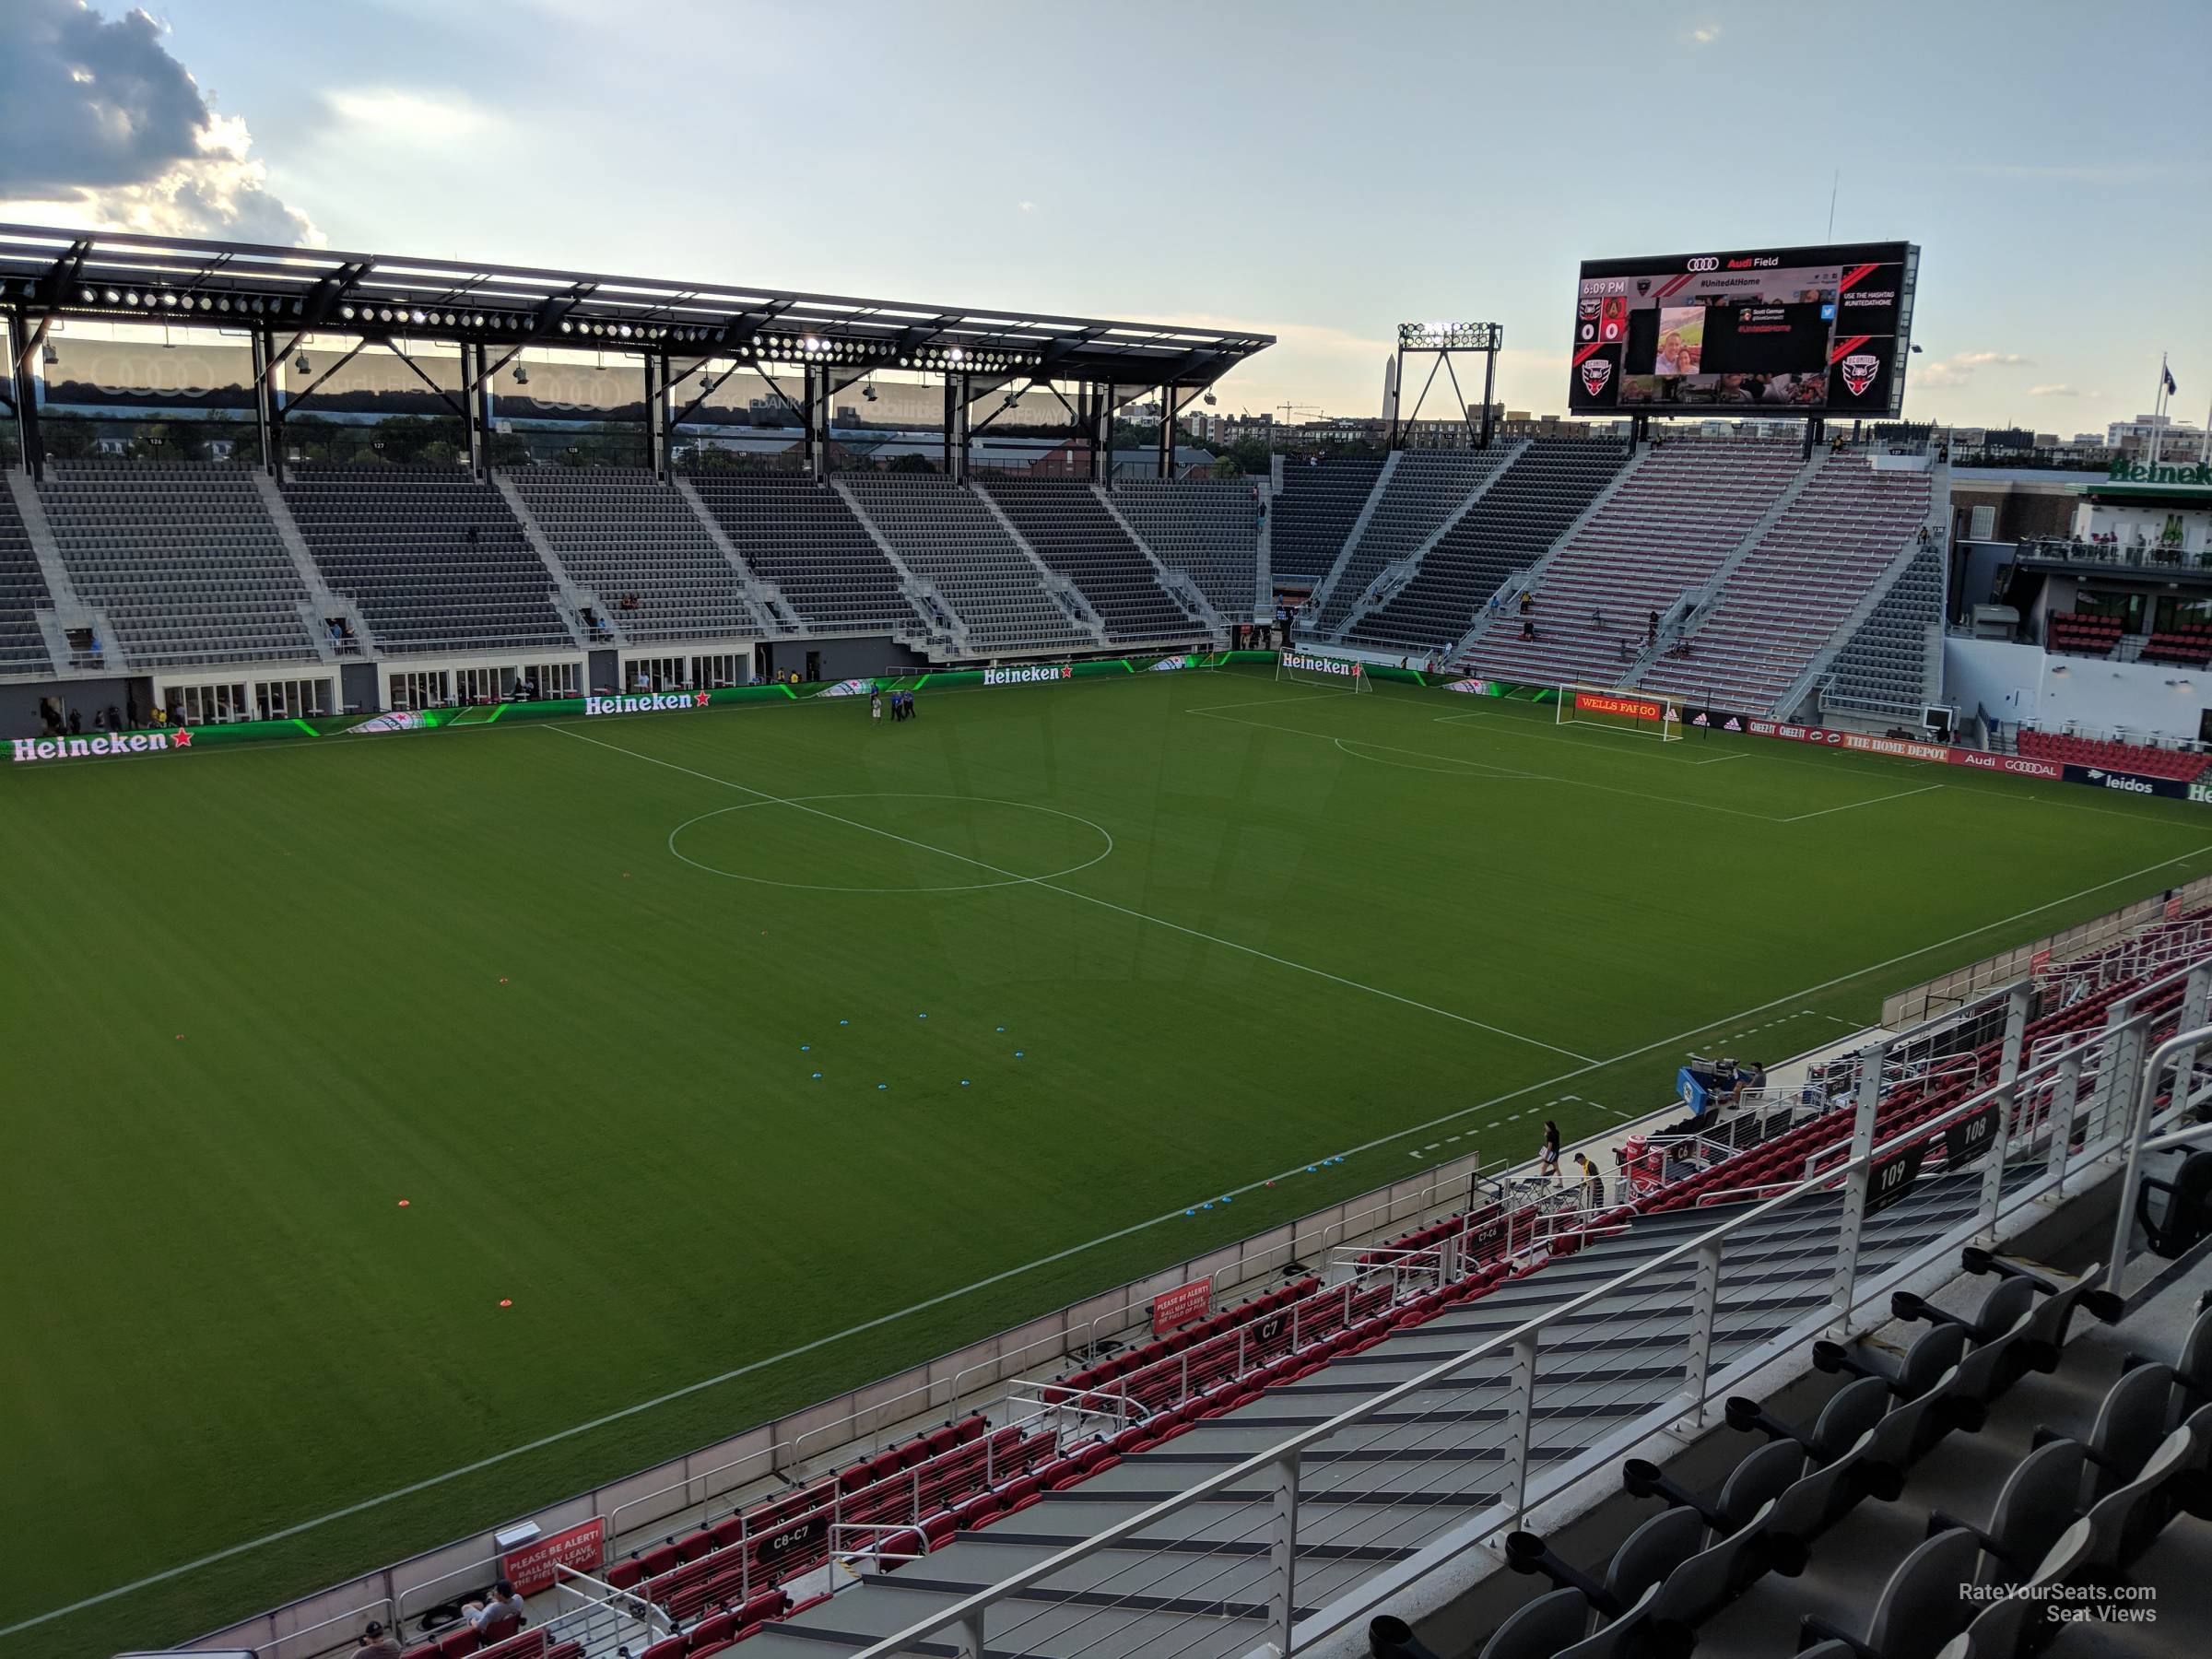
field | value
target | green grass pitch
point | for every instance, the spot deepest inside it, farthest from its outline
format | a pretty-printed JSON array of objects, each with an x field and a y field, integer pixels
[{"x": 1067, "y": 960}]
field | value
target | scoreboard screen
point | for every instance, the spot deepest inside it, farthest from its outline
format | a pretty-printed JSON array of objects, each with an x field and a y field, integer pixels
[{"x": 1782, "y": 331}]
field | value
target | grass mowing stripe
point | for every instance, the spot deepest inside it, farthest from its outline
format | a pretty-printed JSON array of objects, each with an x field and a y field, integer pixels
[
  {"x": 496, "y": 1458},
  {"x": 1050, "y": 886}
]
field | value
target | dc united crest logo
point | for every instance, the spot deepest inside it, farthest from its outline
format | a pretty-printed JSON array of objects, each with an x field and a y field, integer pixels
[
  {"x": 1859, "y": 370},
  {"x": 1595, "y": 373},
  {"x": 1643, "y": 285}
]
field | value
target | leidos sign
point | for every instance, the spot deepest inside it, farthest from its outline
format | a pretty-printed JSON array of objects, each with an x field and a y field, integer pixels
[
  {"x": 652, "y": 703},
  {"x": 1029, "y": 675},
  {"x": 24, "y": 749}
]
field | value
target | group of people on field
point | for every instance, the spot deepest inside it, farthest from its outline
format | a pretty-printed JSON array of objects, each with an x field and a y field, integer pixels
[{"x": 902, "y": 705}]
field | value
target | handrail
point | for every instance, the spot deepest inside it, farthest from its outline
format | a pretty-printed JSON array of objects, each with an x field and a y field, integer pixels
[
  {"x": 1259, "y": 1465},
  {"x": 2137, "y": 1132},
  {"x": 1352, "y": 1417}
]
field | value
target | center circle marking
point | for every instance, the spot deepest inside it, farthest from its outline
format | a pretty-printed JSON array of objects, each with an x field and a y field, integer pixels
[{"x": 966, "y": 887}]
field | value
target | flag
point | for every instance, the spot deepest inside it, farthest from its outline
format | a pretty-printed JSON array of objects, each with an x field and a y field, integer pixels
[{"x": 2170, "y": 387}]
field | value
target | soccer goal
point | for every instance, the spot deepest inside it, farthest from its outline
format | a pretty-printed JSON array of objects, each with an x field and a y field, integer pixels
[
  {"x": 1638, "y": 713},
  {"x": 1341, "y": 674}
]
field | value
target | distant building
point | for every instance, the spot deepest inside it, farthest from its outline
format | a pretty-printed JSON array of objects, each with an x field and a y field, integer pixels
[{"x": 2174, "y": 437}]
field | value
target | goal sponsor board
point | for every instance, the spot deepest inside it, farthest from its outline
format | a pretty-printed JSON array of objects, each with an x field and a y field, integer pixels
[
  {"x": 1649, "y": 713},
  {"x": 1347, "y": 674}
]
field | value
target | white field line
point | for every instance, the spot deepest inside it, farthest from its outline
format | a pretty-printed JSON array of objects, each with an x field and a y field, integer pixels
[
  {"x": 1450, "y": 1117},
  {"x": 1269, "y": 725},
  {"x": 1854, "y": 805},
  {"x": 1965, "y": 781},
  {"x": 1014, "y": 876}
]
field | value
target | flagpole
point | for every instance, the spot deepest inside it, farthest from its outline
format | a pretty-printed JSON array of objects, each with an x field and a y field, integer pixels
[{"x": 2158, "y": 412}]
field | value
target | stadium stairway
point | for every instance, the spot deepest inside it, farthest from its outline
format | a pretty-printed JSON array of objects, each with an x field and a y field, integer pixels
[
  {"x": 1207, "y": 529},
  {"x": 1549, "y": 486},
  {"x": 433, "y": 557},
  {"x": 1369, "y": 1498},
  {"x": 1421, "y": 497},
  {"x": 622, "y": 534},
  {"x": 1965, "y": 1483},
  {"x": 805, "y": 539},
  {"x": 1069, "y": 526},
  {"x": 1891, "y": 669},
  {"x": 1314, "y": 511},
  {"x": 1786, "y": 607},
  {"x": 947, "y": 535},
  {"x": 23, "y": 595},
  {"x": 184, "y": 561},
  {"x": 1685, "y": 511}
]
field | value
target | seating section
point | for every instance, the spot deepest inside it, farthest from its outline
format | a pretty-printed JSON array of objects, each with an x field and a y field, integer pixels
[
  {"x": 803, "y": 538},
  {"x": 2187, "y": 765},
  {"x": 1208, "y": 529},
  {"x": 1805, "y": 577},
  {"x": 184, "y": 561},
  {"x": 946, "y": 535},
  {"x": 1685, "y": 507},
  {"x": 2189, "y": 647},
  {"x": 1887, "y": 668},
  {"x": 1543, "y": 490},
  {"x": 624, "y": 535},
  {"x": 1418, "y": 499},
  {"x": 433, "y": 559},
  {"x": 2078, "y": 633},
  {"x": 22, "y": 596},
  {"x": 1068, "y": 527},
  {"x": 1987, "y": 1481},
  {"x": 1315, "y": 510}
]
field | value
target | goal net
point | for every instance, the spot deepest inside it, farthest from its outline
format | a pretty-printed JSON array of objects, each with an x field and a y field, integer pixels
[
  {"x": 1341, "y": 674},
  {"x": 1639, "y": 713}
]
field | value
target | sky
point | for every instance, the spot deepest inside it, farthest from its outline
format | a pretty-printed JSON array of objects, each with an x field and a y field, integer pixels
[{"x": 1320, "y": 172}]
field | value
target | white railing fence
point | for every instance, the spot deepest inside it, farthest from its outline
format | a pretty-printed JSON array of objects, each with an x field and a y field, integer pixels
[{"x": 2019, "y": 1138}]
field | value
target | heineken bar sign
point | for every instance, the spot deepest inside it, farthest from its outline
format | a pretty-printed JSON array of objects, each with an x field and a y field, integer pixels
[{"x": 2197, "y": 475}]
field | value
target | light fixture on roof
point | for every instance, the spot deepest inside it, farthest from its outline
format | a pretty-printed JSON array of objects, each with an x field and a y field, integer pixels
[
  {"x": 50, "y": 356},
  {"x": 343, "y": 311},
  {"x": 300, "y": 362},
  {"x": 522, "y": 375},
  {"x": 112, "y": 297}
]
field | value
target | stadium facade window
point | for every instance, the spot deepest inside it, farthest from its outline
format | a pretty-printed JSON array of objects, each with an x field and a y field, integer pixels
[
  {"x": 712, "y": 672},
  {"x": 420, "y": 689},
  {"x": 291, "y": 698},
  {"x": 1982, "y": 523},
  {"x": 656, "y": 674}
]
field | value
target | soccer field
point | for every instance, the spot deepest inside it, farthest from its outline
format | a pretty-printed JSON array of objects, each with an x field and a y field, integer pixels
[{"x": 782, "y": 1048}]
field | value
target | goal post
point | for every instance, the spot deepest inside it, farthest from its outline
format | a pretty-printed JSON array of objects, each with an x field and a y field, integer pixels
[
  {"x": 1311, "y": 668},
  {"x": 1638, "y": 713}
]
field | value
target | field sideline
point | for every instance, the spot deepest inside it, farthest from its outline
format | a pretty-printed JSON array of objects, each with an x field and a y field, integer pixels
[{"x": 1067, "y": 960}]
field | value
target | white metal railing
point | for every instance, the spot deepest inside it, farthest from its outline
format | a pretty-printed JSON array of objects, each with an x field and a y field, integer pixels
[{"x": 2029, "y": 1115}]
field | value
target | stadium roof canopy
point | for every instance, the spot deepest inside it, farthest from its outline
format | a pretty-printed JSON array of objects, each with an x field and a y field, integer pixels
[{"x": 124, "y": 277}]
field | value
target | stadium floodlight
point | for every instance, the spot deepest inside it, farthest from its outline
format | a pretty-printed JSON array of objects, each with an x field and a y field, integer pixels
[
  {"x": 953, "y": 354},
  {"x": 112, "y": 297},
  {"x": 1448, "y": 336},
  {"x": 343, "y": 311}
]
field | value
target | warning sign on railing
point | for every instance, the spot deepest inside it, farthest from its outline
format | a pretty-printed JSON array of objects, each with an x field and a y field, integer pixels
[
  {"x": 1182, "y": 1304},
  {"x": 536, "y": 1565}
]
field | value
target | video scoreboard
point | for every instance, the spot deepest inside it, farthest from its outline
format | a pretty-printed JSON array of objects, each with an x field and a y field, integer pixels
[{"x": 1782, "y": 331}]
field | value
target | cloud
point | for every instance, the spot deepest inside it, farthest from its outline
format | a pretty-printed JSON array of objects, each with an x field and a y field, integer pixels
[
  {"x": 1027, "y": 207},
  {"x": 1957, "y": 370},
  {"x": 99, "y": 126},
  {"x": 1705, "y": 34},
  {"x": 397, "y": 115},
  {"x": 2055, "y": 391}
]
